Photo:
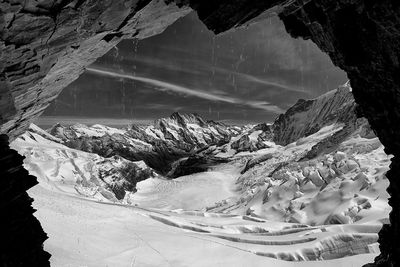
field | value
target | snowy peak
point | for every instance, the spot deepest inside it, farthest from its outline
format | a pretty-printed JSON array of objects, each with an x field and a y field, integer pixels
[
  {"x": 184, "y": 119},
  {"x": 308, "y": 116},
  {"x": 78, "y": 130},
  {"x": 192, "y": 129}
]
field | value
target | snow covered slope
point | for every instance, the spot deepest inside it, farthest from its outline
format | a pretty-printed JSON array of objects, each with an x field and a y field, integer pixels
[
  {"x": 93, "y": 234},
  {"x": 73, "y": 171},
  {"x": 167, "y": 222}
]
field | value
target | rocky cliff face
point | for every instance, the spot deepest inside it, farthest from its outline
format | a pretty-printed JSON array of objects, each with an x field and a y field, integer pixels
[{"x": 309, "y": 116}]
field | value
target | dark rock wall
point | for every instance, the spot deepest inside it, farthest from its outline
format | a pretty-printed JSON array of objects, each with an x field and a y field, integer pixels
[
  {"x": 222, "y": 15},
  {"x": 22, "y": 236}
]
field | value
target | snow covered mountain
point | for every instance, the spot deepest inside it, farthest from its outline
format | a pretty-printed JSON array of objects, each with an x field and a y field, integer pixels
[
  {"x": 309, "y": 116},
  {"x": 159, "y": 145},
  {"x": 75, "y": 171},
  {"x": 310, "y": 187}
]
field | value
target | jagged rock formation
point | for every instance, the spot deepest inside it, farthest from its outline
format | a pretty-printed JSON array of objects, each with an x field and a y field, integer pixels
[
  {"x": 159, "y": 145},
  {"x": 45, "y": 45}
]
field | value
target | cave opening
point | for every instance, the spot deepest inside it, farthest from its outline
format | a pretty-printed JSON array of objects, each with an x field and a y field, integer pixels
[
  {"x": 31, "y": 81},
  {"x": 247, "y": 76}
]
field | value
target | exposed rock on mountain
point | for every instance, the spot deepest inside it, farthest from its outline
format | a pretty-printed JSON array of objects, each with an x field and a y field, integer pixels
[
  {"x": 198, "y": 162},
  {"x": 254, "y": 139},
  {"x": 330, "y": 143},
  {"x": 309, "y": 116}
]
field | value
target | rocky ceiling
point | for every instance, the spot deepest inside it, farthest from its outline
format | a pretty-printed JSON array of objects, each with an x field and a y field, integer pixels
[{"x": 46, "y": 44}]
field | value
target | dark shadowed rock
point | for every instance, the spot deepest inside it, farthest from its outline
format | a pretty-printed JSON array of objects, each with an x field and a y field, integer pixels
[
  {"x": 22, "y": 234},
  {"x": 253, "y": 139}
]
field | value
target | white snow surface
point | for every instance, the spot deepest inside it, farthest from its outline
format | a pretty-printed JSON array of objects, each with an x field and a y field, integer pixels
[{"x": 217, "y": 218}]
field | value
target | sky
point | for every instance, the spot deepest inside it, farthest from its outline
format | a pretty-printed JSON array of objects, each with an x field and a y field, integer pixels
[{"x": 246, "y": 75}]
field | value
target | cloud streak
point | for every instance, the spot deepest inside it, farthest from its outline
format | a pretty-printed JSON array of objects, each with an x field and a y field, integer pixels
[
  {"x": 254, "y": 79},
  {"x": 166, "y": 86}
]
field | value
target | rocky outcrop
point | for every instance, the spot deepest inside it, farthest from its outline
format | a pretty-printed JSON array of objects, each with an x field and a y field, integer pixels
[
  {"x": 254, "y": 139},
  {"x": 330, "y": 143},
  {"x": 22, "y": 234},
  {"x": 200, "y": 161}
]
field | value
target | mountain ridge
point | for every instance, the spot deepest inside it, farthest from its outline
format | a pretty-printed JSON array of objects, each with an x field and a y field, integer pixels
[{"x": 159, "y": 144}]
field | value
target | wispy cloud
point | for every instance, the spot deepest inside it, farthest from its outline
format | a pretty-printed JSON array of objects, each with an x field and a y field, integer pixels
[
  {"x": 163, "y": 106},
  {"x": 254, "y": 79},
  {"x": 166, "y": 86}
]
